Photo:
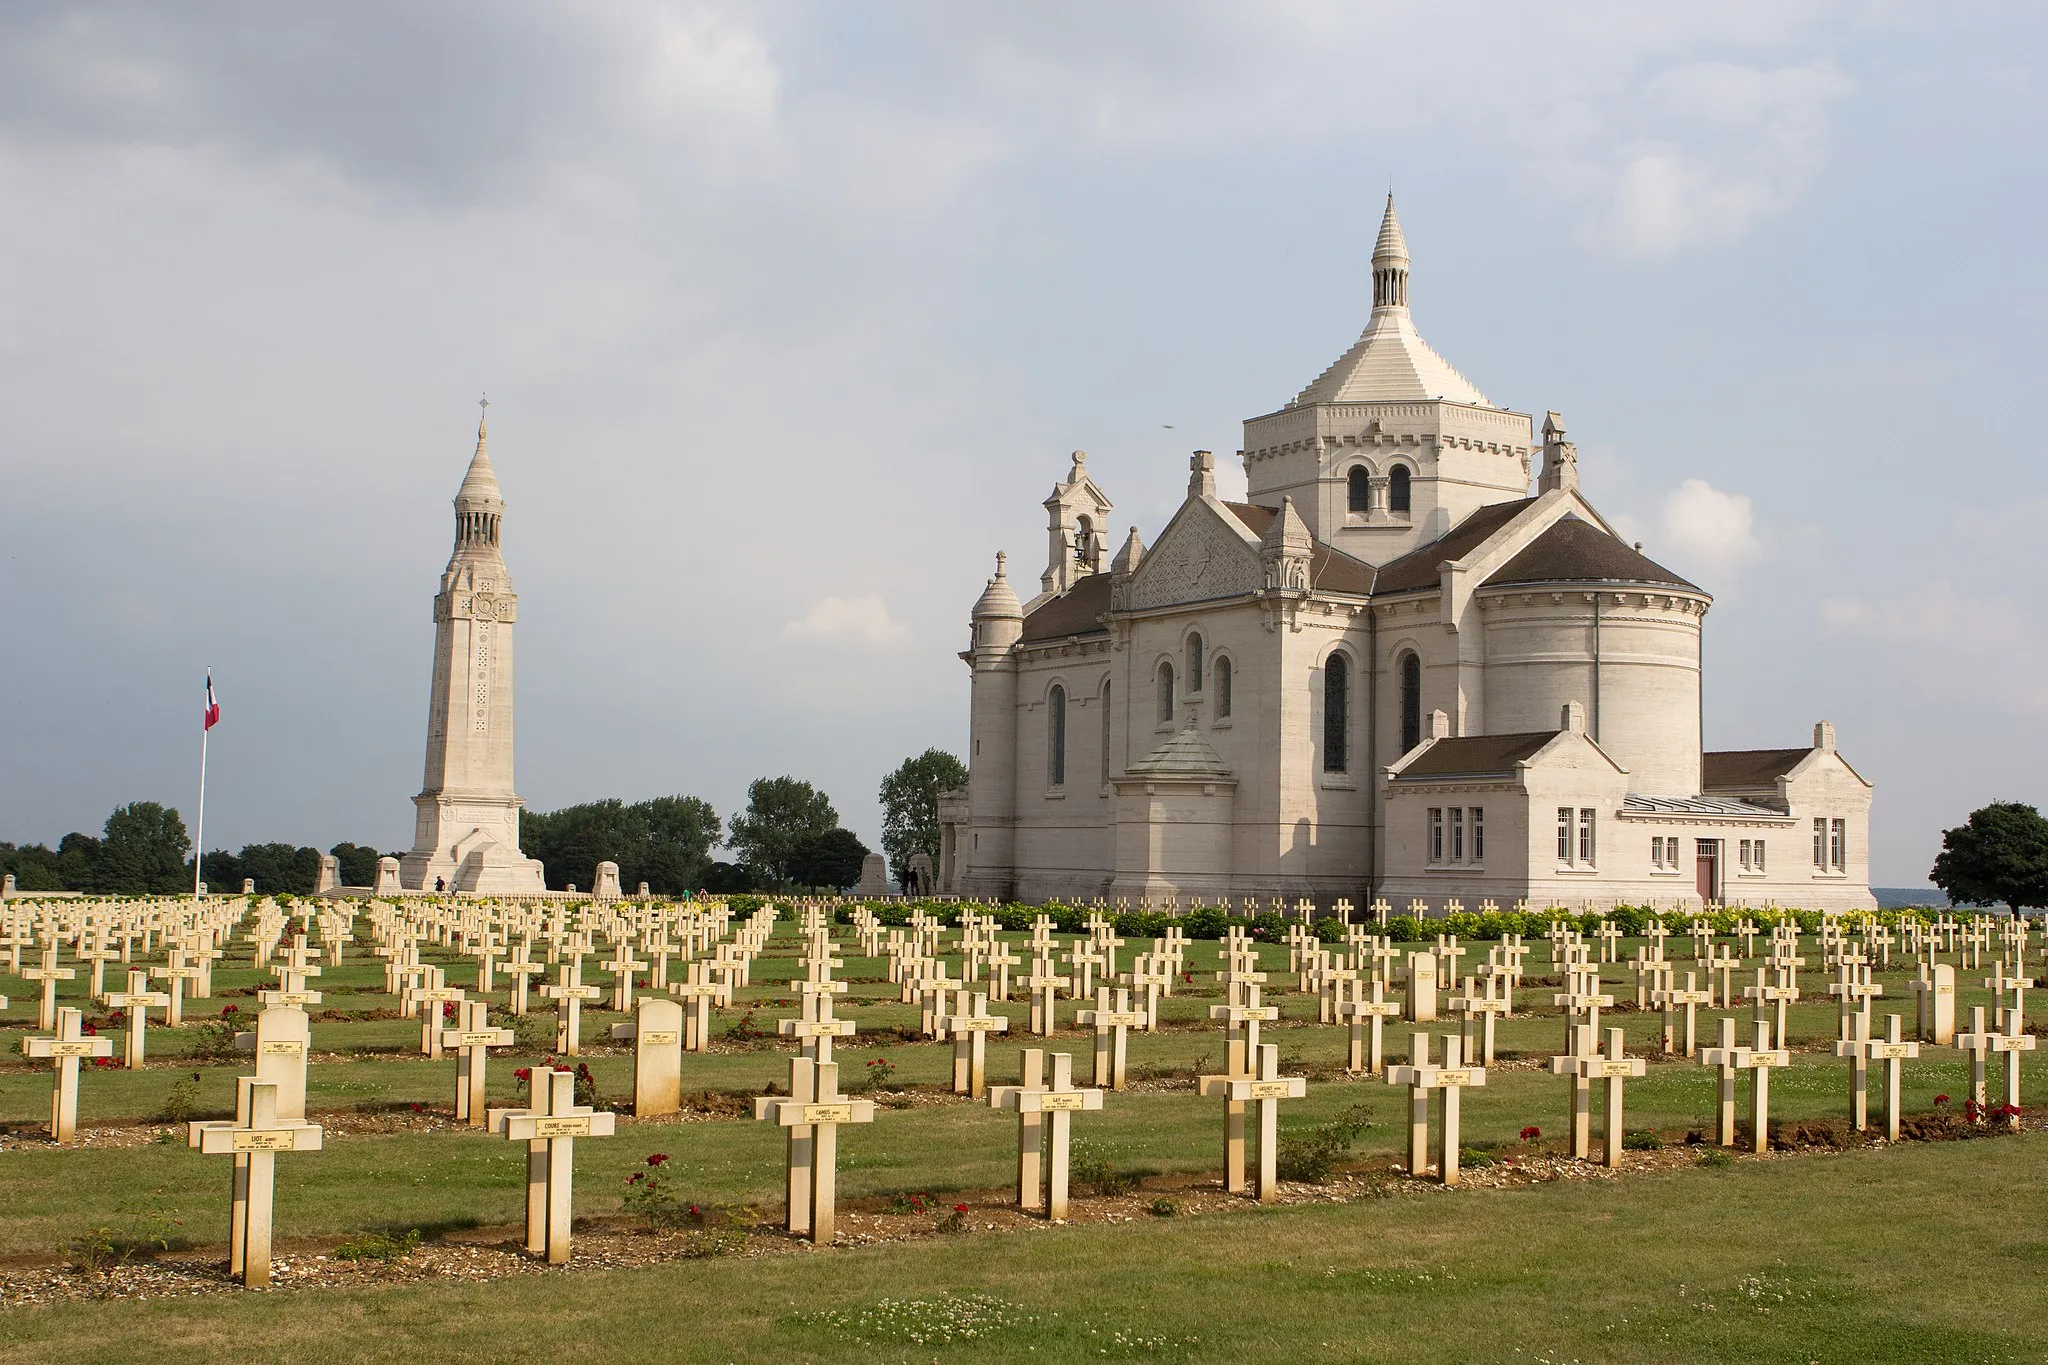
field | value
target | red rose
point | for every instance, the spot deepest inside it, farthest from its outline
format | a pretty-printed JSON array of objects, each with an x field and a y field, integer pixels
[
  {"x": 1941, "y": 1099},
  {"x": 657, "y": 1158},
  {"x": 959, "y": 1208},
  {"x": 1531, "y": 1133}
]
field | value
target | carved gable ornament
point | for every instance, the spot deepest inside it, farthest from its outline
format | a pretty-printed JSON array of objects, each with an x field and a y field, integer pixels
[{"x": 1197, "y": 560}]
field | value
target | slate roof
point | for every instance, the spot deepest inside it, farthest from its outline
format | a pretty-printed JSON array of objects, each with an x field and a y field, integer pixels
[
  {"x": 1073, "y": 612},
  {"x": 1328, "y": 570},
  {"x": 1576, "y": 551},
  {"x": 1419, "y": 567},
  {"x": 1187, "y": 754},
  {"x": 1471, "y": 755},
  {"x": 1748, "y": 769}
]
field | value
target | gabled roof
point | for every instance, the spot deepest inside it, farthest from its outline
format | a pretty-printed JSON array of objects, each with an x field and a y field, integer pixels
[
  {"x": 1328, "y": 570},
  {"x": 1472, "y": 755},
  {"x": 1747, "y": 769},
  {"x": 1073, "y": 612},
  {"x": 1575, "y": 551},
  {"x": 1420, "y": 567}
]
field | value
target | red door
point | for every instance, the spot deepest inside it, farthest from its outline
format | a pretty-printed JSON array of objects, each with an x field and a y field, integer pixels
[{"x": 1709, "y": 870}]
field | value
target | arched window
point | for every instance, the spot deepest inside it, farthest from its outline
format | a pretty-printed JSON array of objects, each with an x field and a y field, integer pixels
[
  {"x": 1165, "y": 694},
  {"x": 1358, "y": 489},
  {"x": 1084, "y": 542},
  {"x": 1221, "y": 683},
  {"x": 1056, "y": 734},
  {"x": 1411, "y": 701},
  {"x": 1105, "y": 732},
  {"x": 1336, "y": 713},
  {"x": 1397, "y": 489},
  {"x": 1194, "y": 664}
]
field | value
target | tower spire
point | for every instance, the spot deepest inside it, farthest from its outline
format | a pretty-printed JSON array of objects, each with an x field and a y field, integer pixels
[{"x": 1390, "y": 261}]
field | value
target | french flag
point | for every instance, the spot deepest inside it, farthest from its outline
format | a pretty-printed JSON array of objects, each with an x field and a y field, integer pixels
[{"x": 212, "y": 706}]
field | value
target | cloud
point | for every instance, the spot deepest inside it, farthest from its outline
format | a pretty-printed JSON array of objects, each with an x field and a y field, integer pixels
[
  {"x": 1754, "y": 139},
  {"x": 1950, "y": 641},
  {"x": 852, "y": 625},
  {"x": 1702, "y": 524}
]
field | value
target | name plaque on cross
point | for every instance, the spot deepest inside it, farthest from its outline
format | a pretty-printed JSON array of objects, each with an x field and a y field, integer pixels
[
  {"x": 262, "y": 1142},
  {"x": 560, "y": 1128},
  {"x": 661, "y": 1037},
  {"x": 63, "y": 1048},
  {"x": 284, "y": 1048},
  {"x": 1056, "y": 1104},
  {"x": 827, "y": 1113}
]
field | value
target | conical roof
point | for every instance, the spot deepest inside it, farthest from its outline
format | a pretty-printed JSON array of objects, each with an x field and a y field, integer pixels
[
  {"x": 1392, "y": 246},
  {"x": 999, "y": 601},
  {"x": 1187, "y": 754},
  {"x": 480, "y": 485},
  {"x": 1390, "y": 362}
]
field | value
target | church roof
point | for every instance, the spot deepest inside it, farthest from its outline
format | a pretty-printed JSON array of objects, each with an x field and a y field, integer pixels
[
  {"x": 1470, "y": 755},
  {"x": 1746, "y": 769},
  {"x": 1420, "y": 567},
  {"x": 1576, "y": 551},
  {"x": 480, "y": 484},
  {"x": 1073, "y": 612},
  {"x": 1390, "y": 362},
  {"x": 1187, "y": 754},
  {"x": 1328, "y": 570}
]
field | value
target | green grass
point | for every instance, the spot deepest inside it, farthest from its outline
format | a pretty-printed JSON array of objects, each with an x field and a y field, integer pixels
[{"x": 1920, "y": 1253}]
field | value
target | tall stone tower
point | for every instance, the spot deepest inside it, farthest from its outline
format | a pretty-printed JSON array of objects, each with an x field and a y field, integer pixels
[{"x": 466, "y": 837}]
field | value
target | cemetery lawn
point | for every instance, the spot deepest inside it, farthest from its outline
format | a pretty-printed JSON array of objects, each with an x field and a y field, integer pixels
[{"x": 1923, "y": 1252}]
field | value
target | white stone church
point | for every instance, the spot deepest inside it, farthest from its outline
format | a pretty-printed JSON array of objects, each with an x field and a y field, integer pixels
[{"x": 1392, "y": 673}]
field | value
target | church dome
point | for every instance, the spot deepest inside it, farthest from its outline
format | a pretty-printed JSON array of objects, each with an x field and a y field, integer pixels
[{"x": 998, "y": 601}]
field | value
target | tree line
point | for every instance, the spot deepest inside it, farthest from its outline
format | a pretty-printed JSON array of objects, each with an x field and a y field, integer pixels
[{"x": 788, "y": 837}]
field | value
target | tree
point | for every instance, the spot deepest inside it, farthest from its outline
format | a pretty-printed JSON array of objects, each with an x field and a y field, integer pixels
[
  {"x": 143, "y": 850},
  {"x": 665, "y": 842},
  {"x": 357, "y": 863},
  {"x": 910, "y": 807},
  {"x": 277, "y": 868},
  {"x": 727, "y": 879},
  {"x": 1999, "y": 857},
  {"x": 782, "y": 813},
  {"x": 34, "y": 867},
  {"x": 830, "y": 860}
]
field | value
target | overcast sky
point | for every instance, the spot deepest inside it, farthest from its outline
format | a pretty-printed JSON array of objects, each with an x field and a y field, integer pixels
[{"x": 789, "y": 315}]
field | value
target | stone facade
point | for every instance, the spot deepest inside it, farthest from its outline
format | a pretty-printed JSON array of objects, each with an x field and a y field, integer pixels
[
  {"x": 1249, "y": 705},
  {"x": 466, "y": 834}
]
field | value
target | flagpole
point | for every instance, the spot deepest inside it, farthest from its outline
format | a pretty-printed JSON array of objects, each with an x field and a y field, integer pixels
[{"x": 199, "y": 834}]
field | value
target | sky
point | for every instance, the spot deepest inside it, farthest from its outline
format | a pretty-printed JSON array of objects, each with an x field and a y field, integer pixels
[{"x": 790, "y": 315}]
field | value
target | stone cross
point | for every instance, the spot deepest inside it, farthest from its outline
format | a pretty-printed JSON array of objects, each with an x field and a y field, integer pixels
[
  {"x": 1478, "y": 1012},
  {"x": 1112, "y": 1019},
  {"x": 63, "y": 1053},
  {"x": 1152, "y": 974},
  {"x": 253, "y": 1139},
  {"x": 970, "y": 1023},
  {"x": 1367, "y": 1011},
  {"x": 1444, "y": 1082},
  {"x": 473, "y": 1038},
  {"x": 1266, "y": 1087},
  {"x": 815, "y": 1028},
  {"x": 138, "y": 1000},
  {"x": 1775, "y": 999},
  {"x": 1980, "y": 1042},
  {"x": 522, "y": 969},
  {"x": 1572, "y": 1065},
  {"x": 1043, "y": 983},
  {"x": 813, "y": 1113},
  {"x": 49, "y": 974},
  {"x": 568, "y": 992},
  {"x": 430, "y": 995},
  {"x": 1612, "y": 1070},
  {"x": 1934, "y": 991},
  {"x": 622, "y": 966},
  {"x": 1610, "y": 937},
  {"x": 1758, "y": 1061},
  {"x": 1034, "y": 1103},
  {"x": 1581, "y": 1000},
  {"x": 1892, "y": 1050},
  {"x": 549, "y": 1126},
  {"x": 2009, "y": 1019},
  {"x": 1854, "y": 990},
  {"x": 698, "y": 988},
  {"x": 1670, "y": 998}
]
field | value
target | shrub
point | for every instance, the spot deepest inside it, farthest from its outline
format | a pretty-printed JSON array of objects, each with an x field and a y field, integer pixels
[
  {"x": 180, "y": 1100},
  {"x": 146, "y": 1228},
  {"x": 1642, "y": 1140},
  {"x": 953, "y": 1220},
  {"x": 1100, "y": 1175},
  {"x": 745, "y": 1031},
  {"x": 651, "y": 1196},
  {"x": 1717, "y": 1156},
  {"x": 1163, "y": 1207},
  {"x": 1310, "y": 1154},
  {"x": 877, "y": 1073},
  {"x": 214, "y": 1039}
]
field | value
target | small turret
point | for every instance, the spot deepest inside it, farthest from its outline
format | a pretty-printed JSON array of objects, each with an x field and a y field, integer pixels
[
  {"x": 998, "y": 615},
  {"x": 1076, "y": 514},
  {"x": 1122, "y": 567},
  {"x": 1286, "y": 550},
  {"x": 1560, "y": 458},
  {"x": 1390, "y": 262},
  {"x": 479, "y": 505}
]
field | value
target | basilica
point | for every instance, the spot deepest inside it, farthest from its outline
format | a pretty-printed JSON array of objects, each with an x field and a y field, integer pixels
[{"x": 1394, "y": 672}]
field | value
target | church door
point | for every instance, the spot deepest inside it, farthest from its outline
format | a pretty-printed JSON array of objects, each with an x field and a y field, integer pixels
[{"x": 1709, "y": 870}]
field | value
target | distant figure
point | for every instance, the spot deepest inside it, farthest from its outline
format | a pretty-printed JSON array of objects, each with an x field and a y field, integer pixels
[{"x": 440, "y": 883}]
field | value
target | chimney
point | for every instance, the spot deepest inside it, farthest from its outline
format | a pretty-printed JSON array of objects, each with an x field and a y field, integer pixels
[
  {"x": 1824, "y": 736},
  {"x": 1439, "y": 725},
  {"x": 1202, "y": 475},
  {"x": 1573, "y": 717}
]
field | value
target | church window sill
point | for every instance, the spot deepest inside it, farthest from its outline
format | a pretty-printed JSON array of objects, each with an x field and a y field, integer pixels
[
  {"x": 1056, "y": 794},
  {"x": 1577, "y": 870},
  {"x": 1223, "y": 724},
  {"x": 1337, "y": 782}
]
